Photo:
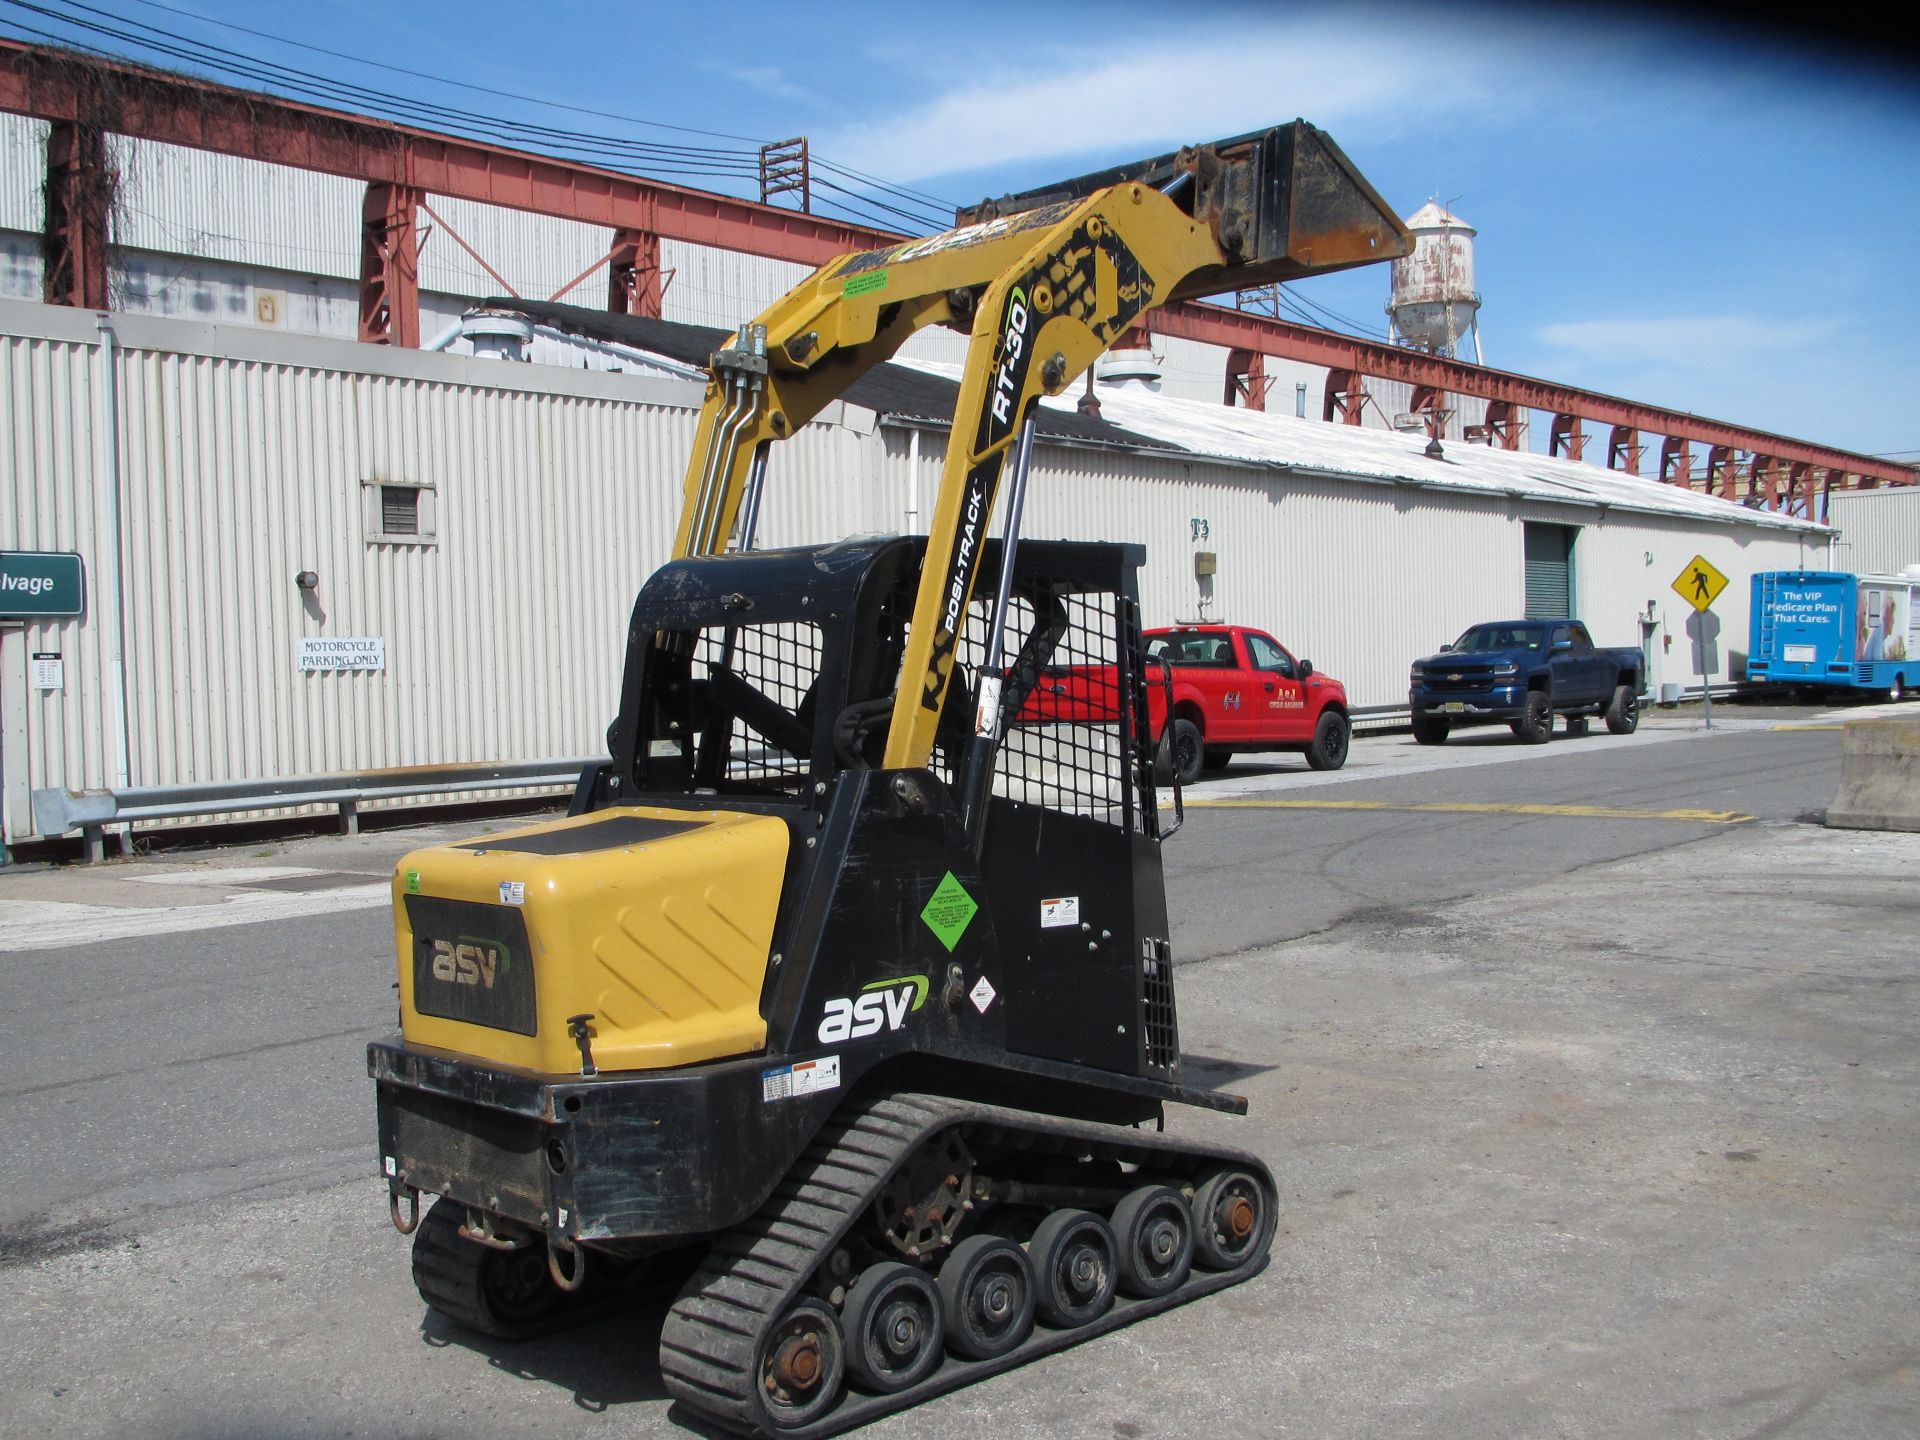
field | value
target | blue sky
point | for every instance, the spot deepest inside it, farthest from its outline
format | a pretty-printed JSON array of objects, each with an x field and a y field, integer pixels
[{"x": 1709, "y": 219}]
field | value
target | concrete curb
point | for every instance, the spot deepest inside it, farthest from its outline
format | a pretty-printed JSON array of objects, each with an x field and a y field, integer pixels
[{"x": 1879, "y": 777}]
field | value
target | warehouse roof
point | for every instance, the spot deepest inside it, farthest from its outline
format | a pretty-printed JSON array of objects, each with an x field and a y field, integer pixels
[{"x": 1133, "y": 417}]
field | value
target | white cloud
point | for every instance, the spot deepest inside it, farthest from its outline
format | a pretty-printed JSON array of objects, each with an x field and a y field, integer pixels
[
  {"x": 1685, "y": 340},
  {"x": 1153, "y": 96}
]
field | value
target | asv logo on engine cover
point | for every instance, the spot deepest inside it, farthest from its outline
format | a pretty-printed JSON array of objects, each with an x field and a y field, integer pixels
[{"x": 883, "y": 1005}]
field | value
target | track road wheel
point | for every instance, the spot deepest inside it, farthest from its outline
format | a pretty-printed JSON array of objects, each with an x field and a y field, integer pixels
[
  {"x": 893, "y": 1327},
  {"x": 1535, "y": 727},
  {"x": 1074, "y": 1269},
  {"x": 1331, "y": 737},
  {"x": 1430, "y": 731},
  {"x": 1233, "y": 1221},
  {"x": 1154, "y": 1230},
  {"x": 497, "y": 1292},
  {"x": 986, "y": 1297},
  {"x": 802, "y": 1367},
  {"x": 1182, "y": 753},
  {"x": 1623, "y": 711}
]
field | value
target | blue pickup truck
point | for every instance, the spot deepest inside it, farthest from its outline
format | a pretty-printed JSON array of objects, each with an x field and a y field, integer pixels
[{"x": 1523, "y": 673}]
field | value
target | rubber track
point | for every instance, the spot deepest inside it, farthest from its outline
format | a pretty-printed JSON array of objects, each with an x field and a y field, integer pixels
[{"x": 755, "y": 1270}]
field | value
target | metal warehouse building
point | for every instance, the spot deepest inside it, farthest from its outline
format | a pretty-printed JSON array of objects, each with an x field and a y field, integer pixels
[{"x": 485, "y": 525}]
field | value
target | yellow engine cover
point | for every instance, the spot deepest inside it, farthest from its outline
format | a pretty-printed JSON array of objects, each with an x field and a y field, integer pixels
[{"x": 655, "y": 923}]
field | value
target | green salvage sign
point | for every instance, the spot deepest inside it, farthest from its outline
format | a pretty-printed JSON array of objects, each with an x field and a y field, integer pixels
[{"x": 38, "y": 584}]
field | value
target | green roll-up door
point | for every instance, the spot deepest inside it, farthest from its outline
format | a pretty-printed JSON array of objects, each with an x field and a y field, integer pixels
[{"x": 1549, "y": 571}]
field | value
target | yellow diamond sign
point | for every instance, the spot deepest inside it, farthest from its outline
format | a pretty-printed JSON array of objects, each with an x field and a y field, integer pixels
[{"x": 1700, "y": 584}]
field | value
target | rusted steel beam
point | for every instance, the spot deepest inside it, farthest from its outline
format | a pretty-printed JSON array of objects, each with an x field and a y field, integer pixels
[
  {"x": 79, "y": 195},
  {"x": 1246, "y": 380},
  {"x": 1723, "y": 471},
  {"x": 1623, "y": 449},
  {"x": 1346, "y": 397},
  {"x": 634, "y": 282},
  {"x": 390, "y": 266},
  {"x": 1508, "y": 424},
  {"x": 1217, "y": 325},
  {"x": 1567, "y": 438},
  {"x": 1676, "y": 461},
  {"x": 156, "y": 105},
  {"x": 65, "y": 86}
]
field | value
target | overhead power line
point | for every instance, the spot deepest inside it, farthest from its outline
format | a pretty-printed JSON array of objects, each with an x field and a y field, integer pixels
[{"x": 877, "y": 203}]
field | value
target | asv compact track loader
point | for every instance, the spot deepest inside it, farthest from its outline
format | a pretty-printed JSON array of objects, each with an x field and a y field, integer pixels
[{"x": 838, "y": 971}]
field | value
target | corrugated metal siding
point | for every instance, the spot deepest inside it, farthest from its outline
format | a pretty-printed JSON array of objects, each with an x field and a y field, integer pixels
[
  {"x": 720, "y": 287},
  {"x": 556, "y": 494},
  {"x": 1879, "y": 530},
  {"x": 222, "y": 207},
  {"x": 23, "y": 173}
]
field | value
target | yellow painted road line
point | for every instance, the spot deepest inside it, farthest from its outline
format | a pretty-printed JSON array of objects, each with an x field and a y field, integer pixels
[
  {"x": 1809, "y": 727},
  {"x": 1464, "y": 807}
]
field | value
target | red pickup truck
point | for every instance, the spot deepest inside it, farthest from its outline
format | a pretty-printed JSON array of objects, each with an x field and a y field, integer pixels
[{"x": 1234, "y": 688}]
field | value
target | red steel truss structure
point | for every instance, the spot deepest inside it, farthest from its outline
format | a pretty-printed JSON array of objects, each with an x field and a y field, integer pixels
[{"x": 85, "y": 99}]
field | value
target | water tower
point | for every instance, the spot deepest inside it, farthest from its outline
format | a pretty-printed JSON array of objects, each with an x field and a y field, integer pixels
[{"x": 1434, "y": 305}]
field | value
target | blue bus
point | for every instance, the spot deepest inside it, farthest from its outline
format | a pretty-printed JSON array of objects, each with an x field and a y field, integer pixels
[{"x": 1821, "y": 629}]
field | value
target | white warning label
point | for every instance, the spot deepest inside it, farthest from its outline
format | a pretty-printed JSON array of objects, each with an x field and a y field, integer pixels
[
  {"x": 792, "y": 1081},
  {"x": 1063, "y": 911}
]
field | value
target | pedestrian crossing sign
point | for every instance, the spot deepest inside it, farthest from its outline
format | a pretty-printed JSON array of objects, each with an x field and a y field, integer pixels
[{"x": 1700, "y": 584}]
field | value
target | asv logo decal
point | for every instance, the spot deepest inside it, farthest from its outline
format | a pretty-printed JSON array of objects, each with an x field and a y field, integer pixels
[
  {"x": 471, "y": 962},
  {"x": 884, "y": 1004}
]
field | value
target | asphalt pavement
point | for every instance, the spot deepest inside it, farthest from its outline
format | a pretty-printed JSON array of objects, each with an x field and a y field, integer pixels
[{"x": 1588, "y": 1071}]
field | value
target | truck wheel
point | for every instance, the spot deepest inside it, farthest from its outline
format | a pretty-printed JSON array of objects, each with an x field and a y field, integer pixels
[
  {"x": 1536, "y": 726},
  {"x": 1216, "y": 759},
  {"x": 1429, "y": 731},
  {"x": 1182, "y": 752},
  {"x": 1623, "y": 711},
  {"x": 1330, "y": 739},
  {"x": 1576, "y": 727},
  {"x": 1897, "y": 691}
]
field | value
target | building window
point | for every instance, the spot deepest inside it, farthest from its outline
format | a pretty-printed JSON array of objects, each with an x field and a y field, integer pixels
[{"x": 398, "y": 512}]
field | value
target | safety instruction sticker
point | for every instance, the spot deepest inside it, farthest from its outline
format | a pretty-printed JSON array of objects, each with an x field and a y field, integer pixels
[
  {"x": 986, "y": 715},
  {"x": 982, "y": 995},
  {"x": 513, "y": 892},
  {"x": 413, "y": 882},
  {"x": 790, "y": 1082},
  {"x": 948, "y": 911},
  {"x": 864, "y": 284},
  {"x": 1063, "y": 911}
]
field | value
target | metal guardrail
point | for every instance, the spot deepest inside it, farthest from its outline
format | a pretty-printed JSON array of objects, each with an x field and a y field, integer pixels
[{"x": 55, "y": 812}]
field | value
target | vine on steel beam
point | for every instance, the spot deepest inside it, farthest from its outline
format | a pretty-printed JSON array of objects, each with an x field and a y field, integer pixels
[
  {"x": 634, "y": 283},
  {"x": 79, "y": 197},
  {"x": 1246, "y": 379},
  {"x": 390, "y": 266},
  {"x": 1566, "y": 438}
]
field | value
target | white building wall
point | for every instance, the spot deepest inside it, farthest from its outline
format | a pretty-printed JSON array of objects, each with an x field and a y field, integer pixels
[
  {"x": 1879, "y": 530},
  {"x": 244, "y": 456}
]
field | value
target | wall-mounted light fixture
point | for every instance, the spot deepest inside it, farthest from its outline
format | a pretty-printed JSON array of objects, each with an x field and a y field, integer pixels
[{"x": 307, "y": 580}]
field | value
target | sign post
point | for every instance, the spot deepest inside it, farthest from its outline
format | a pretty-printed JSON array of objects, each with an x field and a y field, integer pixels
[{"x": 1700, "y": 585}]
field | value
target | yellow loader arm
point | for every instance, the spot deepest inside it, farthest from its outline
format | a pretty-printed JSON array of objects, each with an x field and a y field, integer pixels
[{"x": 1044, "y": 282}]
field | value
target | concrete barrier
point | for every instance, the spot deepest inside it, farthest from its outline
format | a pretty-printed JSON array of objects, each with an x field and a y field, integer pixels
[{"x": 1879, "y": 777}]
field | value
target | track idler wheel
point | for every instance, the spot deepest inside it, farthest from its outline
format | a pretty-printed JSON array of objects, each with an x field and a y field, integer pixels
[
  {"x": 497, "y": 1292},
  {"x": 986, "y": 1297},
  {"x": 1074, "y": 1268},
  {"x": 802, "y": 1367},
  {"x": 1233, "y": 1221},
  {"x": 1154, "y": 1230},
  {"x": 894, "y": 1328}
]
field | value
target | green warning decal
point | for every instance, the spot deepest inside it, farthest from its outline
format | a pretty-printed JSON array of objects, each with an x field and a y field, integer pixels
[
  {"x": 413, "y": 882},
  {"x": 865, "y": 284},
  {"x": 948, "y": 911}
]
